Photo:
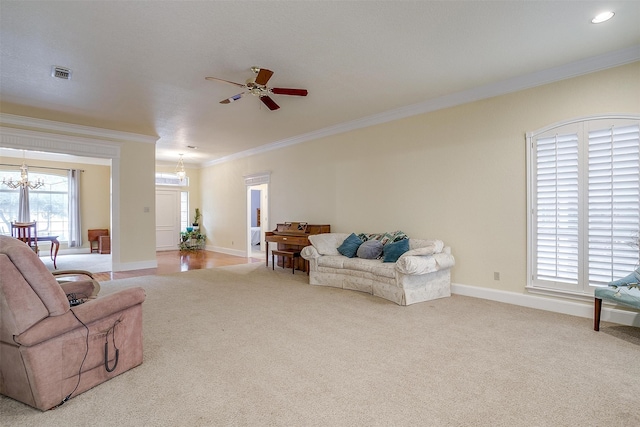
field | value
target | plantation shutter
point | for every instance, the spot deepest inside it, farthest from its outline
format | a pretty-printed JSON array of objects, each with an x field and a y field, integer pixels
[
  {"x": 557, "y": 209},
  {"x": 613, "y": 202}
]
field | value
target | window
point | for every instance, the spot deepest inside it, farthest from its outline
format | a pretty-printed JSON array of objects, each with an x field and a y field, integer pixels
[
  {"x": 184, "y": 210},
  {"x": 584, "y": 197},
  {"x": 49, "y": 205},
  {"x": 171, "y": 179}
]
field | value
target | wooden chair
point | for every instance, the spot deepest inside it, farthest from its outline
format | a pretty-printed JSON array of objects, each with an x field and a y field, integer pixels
[
  {"x": 94, "y": 239},
  {"x": 26, "y": 232}
]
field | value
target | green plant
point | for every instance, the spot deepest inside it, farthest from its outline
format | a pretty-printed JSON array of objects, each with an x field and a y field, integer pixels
[
  {"x": 192, "y": 240},
  {"x": 197, "y": 216}
]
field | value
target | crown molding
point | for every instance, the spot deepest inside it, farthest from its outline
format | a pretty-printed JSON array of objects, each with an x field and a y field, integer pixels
[
  {"x": 73, "y": 129},
  {"x": 539, "y": 78},
  {"x": 23, "y": 139}
]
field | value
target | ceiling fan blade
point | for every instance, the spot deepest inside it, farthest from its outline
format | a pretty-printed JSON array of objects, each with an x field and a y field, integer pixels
[
  {"x": 233, "y": 98},
  {"x": 224, "y": 81},
  {"x": 287, "y": 91},
  {"x": 270, "y": 103},
  {"x": 263, "y": 76}
]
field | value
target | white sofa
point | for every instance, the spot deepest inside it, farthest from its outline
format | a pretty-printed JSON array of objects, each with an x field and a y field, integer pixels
[{"x": 421, "y": 274}]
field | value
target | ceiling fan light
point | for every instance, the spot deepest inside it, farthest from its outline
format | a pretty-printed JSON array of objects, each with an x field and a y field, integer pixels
[{"x": 602, "y": 17}]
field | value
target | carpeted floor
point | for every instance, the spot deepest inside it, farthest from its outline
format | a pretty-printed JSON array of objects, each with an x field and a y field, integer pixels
[
  {"x": 95, "y": 263},
  {"x": 248, "y": 346}
]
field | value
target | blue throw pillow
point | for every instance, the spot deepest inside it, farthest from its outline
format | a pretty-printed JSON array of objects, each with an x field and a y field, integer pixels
[
  {"x": 392, "y": 251},
  {"x": 350, "y": 246}
]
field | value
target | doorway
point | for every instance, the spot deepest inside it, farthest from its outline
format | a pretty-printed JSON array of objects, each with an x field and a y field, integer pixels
[
  {"x": 257, "y": 219},
  {"x": 167, "y": 219}
]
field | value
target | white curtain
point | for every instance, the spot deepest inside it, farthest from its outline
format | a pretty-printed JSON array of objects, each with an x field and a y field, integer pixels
[
  {"x": 23, "y": 205},
  {"x": 75, "y": 227}
]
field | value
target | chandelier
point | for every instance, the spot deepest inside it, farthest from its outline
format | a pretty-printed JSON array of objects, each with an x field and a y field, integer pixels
[
  {"x": 24, "y": 180},
  {"x": 180, "y": 169}
]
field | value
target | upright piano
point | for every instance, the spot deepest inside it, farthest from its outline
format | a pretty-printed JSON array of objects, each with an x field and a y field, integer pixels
[{"x": 292, "y": 236}]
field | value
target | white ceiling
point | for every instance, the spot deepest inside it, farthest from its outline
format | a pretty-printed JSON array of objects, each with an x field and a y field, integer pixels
[{"x": 139, "y": 66}]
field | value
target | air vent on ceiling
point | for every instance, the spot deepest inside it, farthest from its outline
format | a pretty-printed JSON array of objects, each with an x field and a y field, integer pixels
[{"x": 60, "y": 72}]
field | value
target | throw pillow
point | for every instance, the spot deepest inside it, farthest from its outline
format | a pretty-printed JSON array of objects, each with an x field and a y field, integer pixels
[
  {"x": 392, "y": 251},
  {"x": 369, "y": 236},
  {"x": 370, "y": 249},
  {"x": 350, "y": 246},
  {"x": 392, "y": 237}
]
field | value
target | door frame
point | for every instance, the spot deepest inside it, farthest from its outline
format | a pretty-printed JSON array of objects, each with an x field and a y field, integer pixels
[
  {"x": 259, "y": 181},
  {"x": 177, "y": 192}
]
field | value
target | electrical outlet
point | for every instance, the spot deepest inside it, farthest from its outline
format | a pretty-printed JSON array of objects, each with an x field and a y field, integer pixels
[
  {"x": 232, "y": 243},
  {"x": 496, "y": 275}
]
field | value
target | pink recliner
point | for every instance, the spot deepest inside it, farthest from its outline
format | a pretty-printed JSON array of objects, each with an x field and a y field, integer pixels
[{"x": 51, "y": 351}]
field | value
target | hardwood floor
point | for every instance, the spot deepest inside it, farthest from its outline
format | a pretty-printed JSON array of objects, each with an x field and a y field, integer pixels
[{"x": 177, "y": 261}]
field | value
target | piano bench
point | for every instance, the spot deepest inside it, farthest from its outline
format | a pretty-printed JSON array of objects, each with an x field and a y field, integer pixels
[{"x": 286, "y": 254}]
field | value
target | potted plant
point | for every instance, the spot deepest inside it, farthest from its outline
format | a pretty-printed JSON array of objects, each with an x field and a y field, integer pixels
[
  {"x": 196, "y": 218},
  {"x": 192, "y": 240}
]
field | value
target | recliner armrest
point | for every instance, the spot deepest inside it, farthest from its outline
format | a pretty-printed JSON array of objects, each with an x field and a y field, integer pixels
[
  {"x": 60, "y": 276},
  {"x": 83, "y": 288},
  {"x": 88, "y": 312}
]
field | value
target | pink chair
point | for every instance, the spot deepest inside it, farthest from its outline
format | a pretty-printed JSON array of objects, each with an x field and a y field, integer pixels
[{"x": 51, "y": 351}]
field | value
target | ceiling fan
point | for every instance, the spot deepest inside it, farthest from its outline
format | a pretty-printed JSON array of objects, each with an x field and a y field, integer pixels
[{"x": 258, "y": 87}]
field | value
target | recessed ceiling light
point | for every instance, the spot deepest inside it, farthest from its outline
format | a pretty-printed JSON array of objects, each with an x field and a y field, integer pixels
[{"x": 604, "y": 16}]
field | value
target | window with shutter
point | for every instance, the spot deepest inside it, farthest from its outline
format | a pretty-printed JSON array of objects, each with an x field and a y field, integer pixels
[
  {"x": 584, "y": 200},
  {"x": 614, "y": 202}
]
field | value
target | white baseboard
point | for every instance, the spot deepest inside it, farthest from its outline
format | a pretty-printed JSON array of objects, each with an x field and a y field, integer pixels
[
  {"x": 235, "y": 252},
  {"x": 574, "y": 308},
  {"x": 127, "y": 266}
]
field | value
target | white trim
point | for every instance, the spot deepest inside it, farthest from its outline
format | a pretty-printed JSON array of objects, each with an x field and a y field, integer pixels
[
  {"x": 611, "y": 116},
  {"x": 515, "y": 84},
  {"x": 53, "y": 157},
  {"x": 49, "y": 126},
  {"x": 21, "y": 139},
  {"x": 573, "y": 308},
  {"x": 257, "y": 178},
  {"x": 235, "y": 252},
  {"x": 140, "y": 265}
]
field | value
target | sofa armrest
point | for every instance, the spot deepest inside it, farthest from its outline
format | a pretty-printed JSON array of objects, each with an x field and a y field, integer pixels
[
  {"x": 416, "y": 264},
  {"x": 309, "y": 253},
  {"x": 88, "y": 312},
  {"x": 424, "y": 264}
]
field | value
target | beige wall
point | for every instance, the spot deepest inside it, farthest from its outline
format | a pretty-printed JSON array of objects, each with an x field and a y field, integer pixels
[
  {"x": 95, "y": 199},
  {"x": 457, "y": 174},
  {"x": 137, "y": 205}
]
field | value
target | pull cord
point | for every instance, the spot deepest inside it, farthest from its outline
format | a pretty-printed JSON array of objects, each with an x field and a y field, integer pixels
[{"x": 106, "y": 348}]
